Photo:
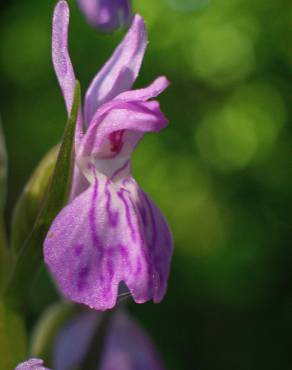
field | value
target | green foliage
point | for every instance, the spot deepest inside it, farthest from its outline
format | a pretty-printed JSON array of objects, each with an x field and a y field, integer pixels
[
  {"x": 5, "y": 257},
  {"x": 13, "y": 341},
  {"x": 30, "y": 256},
  {"x": 31, "y": 200},
  {"x": 46, "y": 329}
]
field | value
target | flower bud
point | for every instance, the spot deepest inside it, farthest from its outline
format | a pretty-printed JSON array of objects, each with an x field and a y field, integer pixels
[
  {"x": 30, "y": 201},
  {"x": 107, "y": 15}
]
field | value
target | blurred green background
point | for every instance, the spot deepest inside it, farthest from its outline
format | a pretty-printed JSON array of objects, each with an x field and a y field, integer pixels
[{"x": 221, "y": 172}]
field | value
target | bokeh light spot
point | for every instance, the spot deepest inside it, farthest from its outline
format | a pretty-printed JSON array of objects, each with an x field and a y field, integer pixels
[
  {"x": 221, "y": 53},
  {"x": 187, "y": 5},
  {"x": 244, "y": 129},
  {"x": 227, "y": 139},
  {"x": 23, "y": 65}
]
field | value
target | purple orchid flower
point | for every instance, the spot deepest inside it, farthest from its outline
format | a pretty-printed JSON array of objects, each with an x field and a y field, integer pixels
[
  {"x": 111, "y": 232},
  {"x": 107, "y": 15},
  {"x": 32, "y": 364},
  {"x": 126, "y": 346}
]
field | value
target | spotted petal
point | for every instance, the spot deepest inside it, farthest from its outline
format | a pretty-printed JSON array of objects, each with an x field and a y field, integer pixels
[
  {"x": 109, "y": 234},
  {"x": 120, "y": 72}
]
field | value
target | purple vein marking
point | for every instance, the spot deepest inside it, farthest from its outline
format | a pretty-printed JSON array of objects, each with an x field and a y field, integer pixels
[
  {"x": 110, "y": 269},
  {"x": 119, "y": 170},
  {"x": 153, "y": 224},
  {"x": 142, "y": 209},
  {"x": 92, "y": 217},
  {"x": 112, "y": 215},
  {"x": 128, "y": 215},
  {"x": 125, "y": 256},
  {"x": 82, "y": 275},
  {"x": 78, "y": 248}
]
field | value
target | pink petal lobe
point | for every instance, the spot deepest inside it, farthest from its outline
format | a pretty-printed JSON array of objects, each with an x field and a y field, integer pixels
[
  {"x": 121, "y": 70},
  {"x": 130, "y": 119},
  {"x": 107, "y": 235},
  {"x": 149, "y": 92},
  {"x": 61, "y": 58}
]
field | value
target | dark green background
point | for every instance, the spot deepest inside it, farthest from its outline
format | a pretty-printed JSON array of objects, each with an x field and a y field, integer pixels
[{"x": 221, "y": 172}]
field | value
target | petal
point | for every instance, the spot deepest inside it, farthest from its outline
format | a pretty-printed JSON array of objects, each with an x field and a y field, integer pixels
[
  {"x": 107, "y": 15},
  {"x": 149, "y": 92},
  {"x": 32, "y": 364},
  {"x": 79, "y": 183},
  {"x": 73, "y": 340},
  {"x": 127, "y": 346},
  {"x": 159, "y": 239},
  {"x": 128, "y": 120},
  {"x": 120, "y": 72},
  {"x": 61, "y": 58},
  {"x": 108, "y": 235}
]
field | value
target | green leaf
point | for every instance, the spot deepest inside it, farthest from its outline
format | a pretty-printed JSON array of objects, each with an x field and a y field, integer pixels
[
  {"x": 30, "y": 257},
  {"x": 48, "y": 326},
  {"x": 3, "y": 170},
  {"x": 32, "y": 199},
  {"x": 5, "y": 257},
  {"x": 13, "y": 341}
]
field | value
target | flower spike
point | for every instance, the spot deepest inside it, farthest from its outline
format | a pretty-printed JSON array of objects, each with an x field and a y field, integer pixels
[{"x": 111, "y": 233}]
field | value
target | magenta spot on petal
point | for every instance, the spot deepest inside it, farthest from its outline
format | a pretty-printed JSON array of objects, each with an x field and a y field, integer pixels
[
  {"x": 82, "y": 275},
  {"x": 115, "y": 139},
  {"x": 78, "y": 248}
]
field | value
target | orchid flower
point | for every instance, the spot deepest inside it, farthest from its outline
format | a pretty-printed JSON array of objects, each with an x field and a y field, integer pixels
[
  {"x": 32, "y": 364},
  {"x": 126, "y": 345},
  {"x": 107, "y": 15},
  {"x": 111, "y": 232}
]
